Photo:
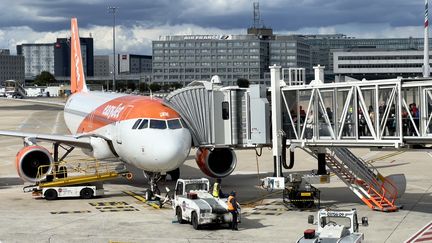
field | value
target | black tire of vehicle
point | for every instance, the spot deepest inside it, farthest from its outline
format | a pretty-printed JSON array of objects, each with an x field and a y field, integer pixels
[
  {"x": 86, "y": 193},
  {"x": 50, "y": 194},
  {"x": 194, "y": 219},
  {"x": 179, "y": 215}
]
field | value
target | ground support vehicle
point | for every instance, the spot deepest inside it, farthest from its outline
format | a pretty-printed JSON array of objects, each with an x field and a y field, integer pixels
[
  {"x": 195, "y": 204},
  {"x": 334, "y": 226},
  {"x": 75, "y": 179},
  {"x": 82, "y": 191}
]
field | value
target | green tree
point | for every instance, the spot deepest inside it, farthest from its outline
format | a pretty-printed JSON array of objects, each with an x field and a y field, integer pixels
[
  {"x": 44, "y": 78},
  {"x": 177, "y": 85},
  {"x": 243, "y": 83},
  {"x": 155, "y": 87},
  {"x": 143, "y": 87}
]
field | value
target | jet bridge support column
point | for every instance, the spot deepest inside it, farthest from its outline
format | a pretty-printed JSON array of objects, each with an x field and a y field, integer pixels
[{"x": 275, "y": 74}]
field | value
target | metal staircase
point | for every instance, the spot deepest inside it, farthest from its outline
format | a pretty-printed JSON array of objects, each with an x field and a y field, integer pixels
[{"x": 363, "y": 179}]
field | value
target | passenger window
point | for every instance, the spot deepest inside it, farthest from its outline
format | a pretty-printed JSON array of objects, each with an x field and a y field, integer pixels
[
  {"x": 174, "y": 124},
  {"x": 158, "y": 124},
  {"x": 144, "y": 124},
  {"x": 225, "y": 110},
  {"x": 136, "y": 124}
]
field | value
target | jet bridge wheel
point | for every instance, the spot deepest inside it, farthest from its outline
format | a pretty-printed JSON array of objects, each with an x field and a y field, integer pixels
[
  {"x": 194, "y": 220},
  {"x": 86, "y": 193}
]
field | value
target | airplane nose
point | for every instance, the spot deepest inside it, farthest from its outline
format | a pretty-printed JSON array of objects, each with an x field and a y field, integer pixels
[{"x": 172, "y": 151}]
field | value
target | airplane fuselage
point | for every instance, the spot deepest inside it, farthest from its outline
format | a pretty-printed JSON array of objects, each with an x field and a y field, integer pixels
[{"x": 138, "y": 130}]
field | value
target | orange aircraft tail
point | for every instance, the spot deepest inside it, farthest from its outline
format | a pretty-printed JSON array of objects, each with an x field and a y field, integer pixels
[{"x": 78, "y": 82}]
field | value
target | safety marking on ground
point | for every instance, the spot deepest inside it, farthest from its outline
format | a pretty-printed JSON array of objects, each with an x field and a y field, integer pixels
[
  {"x": 270, "y": 208},
  {"x": 113, "y": 207},
  {"x": 71, "y": 212},
  {"x": 423, "y": 235},
  {"x": 385, "y": 156},
  {"x": 142, "y": 199},
  {"x": 259, "y": 201}
]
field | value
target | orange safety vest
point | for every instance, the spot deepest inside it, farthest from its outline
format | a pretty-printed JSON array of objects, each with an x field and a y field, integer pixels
[{"x": 229, "y": 203}]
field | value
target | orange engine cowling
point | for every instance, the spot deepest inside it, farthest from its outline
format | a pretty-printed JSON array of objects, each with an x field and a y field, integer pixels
[
  {"x": 28, "y": 161},
  {"x": 217, "y": 163}
]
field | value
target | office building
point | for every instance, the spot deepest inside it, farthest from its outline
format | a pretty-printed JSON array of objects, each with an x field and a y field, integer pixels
[
  {"x": 375, "y": 64},
  {"x": 323, "y": 46},
  {"x": 11, "y": 66},
  {"x": 37, "y": 58},
  {"x": 132, "y": 63},
  {"x": 102, "y": 66},
  {"x": 62, "y": 57},
  {"x": 198, "y": 57}
]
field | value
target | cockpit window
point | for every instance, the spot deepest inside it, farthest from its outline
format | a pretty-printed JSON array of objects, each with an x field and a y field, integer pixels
[
  {"x": 158, "y": 124},
  {"x": 144, "y": 124},
  {"x": 174, "y": 124},
  {"x": 136, "y": 124}
]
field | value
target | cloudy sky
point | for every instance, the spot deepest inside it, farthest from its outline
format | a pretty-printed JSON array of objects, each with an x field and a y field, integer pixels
[{"x": 141, "y": 21}]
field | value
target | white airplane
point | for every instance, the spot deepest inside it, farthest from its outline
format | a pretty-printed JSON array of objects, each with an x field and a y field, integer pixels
[{"x": 138, "y": 130}]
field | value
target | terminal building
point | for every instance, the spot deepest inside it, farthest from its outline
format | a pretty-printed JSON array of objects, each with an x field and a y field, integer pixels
[{"x": 11, "y": 66}]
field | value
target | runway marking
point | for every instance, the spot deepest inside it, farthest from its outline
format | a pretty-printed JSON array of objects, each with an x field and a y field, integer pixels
[
  {"x": 113, "y": 207},
  {"x": 423, "y": 235},
  {"x": 71, "y": 212},
  {"x": 56, "y": 124}
]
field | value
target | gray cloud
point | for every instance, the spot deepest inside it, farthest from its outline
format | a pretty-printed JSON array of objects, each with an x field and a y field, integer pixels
[{"x": 31, "y": 20}]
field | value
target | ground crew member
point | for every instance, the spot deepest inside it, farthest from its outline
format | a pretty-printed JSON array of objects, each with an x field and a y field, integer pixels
[
  {"x": 233, "y": 209},
  {"x": 217, "y": 192}
]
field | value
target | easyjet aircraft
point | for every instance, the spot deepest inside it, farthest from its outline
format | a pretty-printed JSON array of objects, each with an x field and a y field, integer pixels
[{"x": 137, "y": 130}]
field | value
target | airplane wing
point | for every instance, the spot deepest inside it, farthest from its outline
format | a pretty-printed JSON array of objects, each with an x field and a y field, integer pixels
[{"x": 81, "y": 141}]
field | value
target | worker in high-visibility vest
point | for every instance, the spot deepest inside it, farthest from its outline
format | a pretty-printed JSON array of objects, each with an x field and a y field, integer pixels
[
  {"x": 217, "y": 192},
  {"x": 232, "y": 208}
]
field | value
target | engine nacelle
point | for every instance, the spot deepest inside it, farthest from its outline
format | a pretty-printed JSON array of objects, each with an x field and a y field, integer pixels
[
  {"x": 29, "y": 159},
  {"x": 101, "y": 149},
  {"x": 217, "y": 163}
]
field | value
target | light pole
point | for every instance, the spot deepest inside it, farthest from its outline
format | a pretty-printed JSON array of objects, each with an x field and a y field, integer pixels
[{"x": 113, "y": 10}]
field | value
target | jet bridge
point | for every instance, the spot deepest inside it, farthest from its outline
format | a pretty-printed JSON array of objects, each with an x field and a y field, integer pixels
[{"x": 223, "y": 116}]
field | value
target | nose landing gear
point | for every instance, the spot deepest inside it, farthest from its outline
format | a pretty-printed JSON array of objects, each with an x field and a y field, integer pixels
[{"x": 153, "y": 193}]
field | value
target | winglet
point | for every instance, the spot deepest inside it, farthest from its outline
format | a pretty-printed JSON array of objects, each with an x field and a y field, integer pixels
[{"x": 78, "y": 83}]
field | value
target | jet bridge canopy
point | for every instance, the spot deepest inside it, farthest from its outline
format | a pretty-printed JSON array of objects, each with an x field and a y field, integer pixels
[{"x": 395, "y": 112}]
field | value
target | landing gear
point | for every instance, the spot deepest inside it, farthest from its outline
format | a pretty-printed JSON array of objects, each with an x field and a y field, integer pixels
[{"x": 153, "y": 178}]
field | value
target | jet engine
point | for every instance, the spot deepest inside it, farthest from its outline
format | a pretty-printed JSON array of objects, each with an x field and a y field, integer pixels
[
  {"x": 33, "y": 163},
  {"x": 217, "y": 162}
]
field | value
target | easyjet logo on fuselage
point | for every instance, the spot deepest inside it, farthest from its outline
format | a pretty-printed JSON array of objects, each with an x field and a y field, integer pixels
[{"x": 112, "y": 111}]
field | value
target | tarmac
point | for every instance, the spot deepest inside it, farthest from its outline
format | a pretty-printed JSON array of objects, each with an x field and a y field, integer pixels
[{"x": 120, "y": 217}]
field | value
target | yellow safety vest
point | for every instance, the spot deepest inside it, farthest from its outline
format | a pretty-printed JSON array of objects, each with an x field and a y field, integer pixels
[
  {"x": 229, "y": 203},
  {"x": 216, "y": 190}
]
